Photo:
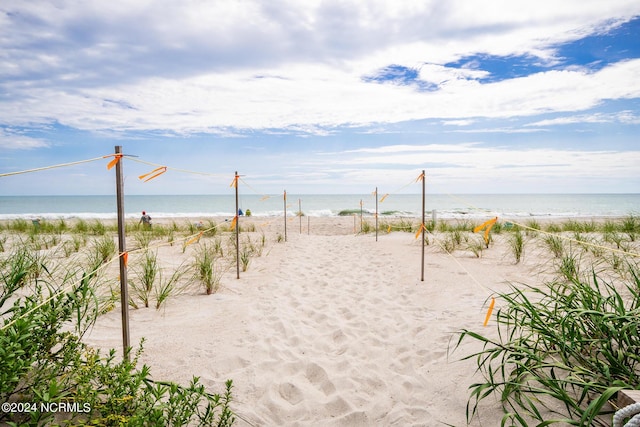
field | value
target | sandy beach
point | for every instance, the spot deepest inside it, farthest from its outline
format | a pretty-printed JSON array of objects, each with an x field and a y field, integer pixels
[{"x": 331, "y": 328}]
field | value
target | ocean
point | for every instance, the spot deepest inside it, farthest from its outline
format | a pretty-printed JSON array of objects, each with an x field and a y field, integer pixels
[{"x": 446, "y": 206}]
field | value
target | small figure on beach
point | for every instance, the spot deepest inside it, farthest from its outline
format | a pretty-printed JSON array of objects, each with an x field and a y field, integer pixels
[
  {"x": 145, "y": 220},
  {"x": 248, "y": 212},
  {"x": 240, "y": 212}
]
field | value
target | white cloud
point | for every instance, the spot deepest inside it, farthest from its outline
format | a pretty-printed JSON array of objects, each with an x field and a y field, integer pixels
[
  {"x": 193, "y": 66},
  {"x": 626, "y": 117},
  {"x": 478, "y": 163},
  {"x": 16, "y": 141}
]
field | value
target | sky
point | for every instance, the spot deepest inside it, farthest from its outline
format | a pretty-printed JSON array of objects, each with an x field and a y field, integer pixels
[{"x": 321, "y": 96}]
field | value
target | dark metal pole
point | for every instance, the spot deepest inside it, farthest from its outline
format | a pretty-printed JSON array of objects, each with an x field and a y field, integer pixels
[
  {"x": 423, "y": 226},
  {"x": 122, "y": 248},
  {"x": 237, "y": 230}
]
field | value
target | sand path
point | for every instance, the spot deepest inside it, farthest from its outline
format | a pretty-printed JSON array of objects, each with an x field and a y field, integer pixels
[{"x": 327, "y": 330}]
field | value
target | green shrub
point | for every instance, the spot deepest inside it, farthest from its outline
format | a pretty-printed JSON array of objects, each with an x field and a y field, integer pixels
[{"x": 42, "y": 360}]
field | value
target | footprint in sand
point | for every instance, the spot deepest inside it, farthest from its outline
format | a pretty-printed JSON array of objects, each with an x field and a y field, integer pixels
[
  {"x": 318, "y": 377},
  {"x": 291, "y": 393}
]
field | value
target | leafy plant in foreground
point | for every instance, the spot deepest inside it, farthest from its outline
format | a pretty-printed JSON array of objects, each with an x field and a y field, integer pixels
[
  {"x": 562, "y": 351},
  {"x": 42, "y": 360}
]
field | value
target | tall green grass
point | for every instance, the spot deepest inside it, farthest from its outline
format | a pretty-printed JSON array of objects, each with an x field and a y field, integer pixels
[
  {"x": 209, "y": 268},
  {"x": 562, "y": 350}
]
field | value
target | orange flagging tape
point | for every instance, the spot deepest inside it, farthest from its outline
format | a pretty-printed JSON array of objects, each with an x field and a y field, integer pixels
[
  {"x": 420, "y": 177},
  {"x": 422, "y": 227},
  {"x": 487, "y": 224},
  {"x": 384, "y": 197},
  {"x": 233, "y": 223},
  {"x": 195, "y": 239},
  {"x": 234, "y": 183},
  {"x": 153, "y": 174},
  {"x": 493, "y": 303},
  {"x": 125, "y": 258},
  {"x": 112, "y": 163}
]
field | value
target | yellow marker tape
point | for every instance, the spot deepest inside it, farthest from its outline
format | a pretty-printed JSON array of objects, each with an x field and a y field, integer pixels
[
  {"x": 389, "y": 229},
  {"x": 493, "y": 303},
  {"x": 384, "y": 197}
]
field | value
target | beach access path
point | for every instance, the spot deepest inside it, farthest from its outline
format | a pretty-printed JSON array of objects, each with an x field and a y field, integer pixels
[{"x": 332, "y": 330}]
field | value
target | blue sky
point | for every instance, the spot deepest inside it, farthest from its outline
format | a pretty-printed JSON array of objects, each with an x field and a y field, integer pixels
[{"x": 322, "y": 96}]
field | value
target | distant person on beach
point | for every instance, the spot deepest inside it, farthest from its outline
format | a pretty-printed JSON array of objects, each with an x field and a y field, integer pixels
[
  {"x": 248, "y": 212},
  {"x": 145, "y": 220},
  {"x": 240, "y": 212}
]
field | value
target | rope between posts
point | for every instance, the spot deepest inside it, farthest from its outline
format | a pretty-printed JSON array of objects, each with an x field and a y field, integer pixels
[
  {"x": 477, "y": 282},
  {"x": 103, "y": 266},
  {"x": 51, "y": 167},
  {"x": 177, "y": 169},
  {"x": 61, "y": 291},
  {"x": 632, "y": 411}
]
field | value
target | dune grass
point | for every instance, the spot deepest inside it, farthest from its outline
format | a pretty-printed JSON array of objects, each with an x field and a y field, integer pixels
[{"x": 565, "y": 348}]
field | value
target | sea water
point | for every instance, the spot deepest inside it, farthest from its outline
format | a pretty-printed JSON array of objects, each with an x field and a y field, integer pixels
[{"x": 446, "y": 206}]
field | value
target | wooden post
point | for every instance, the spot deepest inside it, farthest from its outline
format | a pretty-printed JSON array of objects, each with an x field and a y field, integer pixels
[
  {"x": 285, "y": 215},
  {"x": 237, "y": 229},
  {"x": 122, "y": 248},
  {"x": 376, "y": 214},
  {"x": 361, "y": 215},
  {"x": 423, "y": 226},
  {"x": 308, "y": 224}
]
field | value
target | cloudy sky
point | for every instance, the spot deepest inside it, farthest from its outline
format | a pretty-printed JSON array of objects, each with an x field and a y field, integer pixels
[{"x": 322, "y": 96}]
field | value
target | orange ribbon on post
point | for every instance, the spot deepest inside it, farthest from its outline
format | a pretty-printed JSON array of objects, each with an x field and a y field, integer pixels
[
  {"x": 153, "y": 174},
  {"x": 234, "y": 183},
  {"x": 234, "y": 222},
  {"x": 112, "y": 163},
  {"x": 420, "y": 230},
  {"x": 420, "y": 177}
]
